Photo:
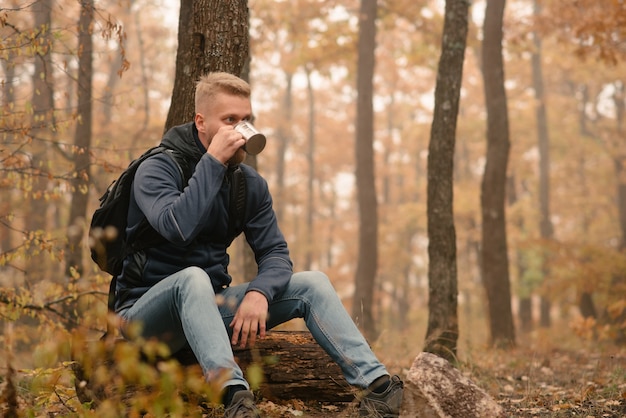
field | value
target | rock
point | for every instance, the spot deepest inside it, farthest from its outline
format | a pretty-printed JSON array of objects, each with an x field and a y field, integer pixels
[{"x": 436, "y": 389}]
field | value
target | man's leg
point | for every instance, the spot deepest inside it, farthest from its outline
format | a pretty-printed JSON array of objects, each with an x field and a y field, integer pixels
[
  {"x": 182, "y": 308},
  {"x": 311, "y": 296}
]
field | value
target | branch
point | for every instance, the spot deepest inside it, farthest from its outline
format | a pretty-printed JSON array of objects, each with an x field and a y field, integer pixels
[{"x": 47, "y": 306}]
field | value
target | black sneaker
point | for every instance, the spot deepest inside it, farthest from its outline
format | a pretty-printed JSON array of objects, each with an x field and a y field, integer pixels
[
  {"x": 242, "y": 406},
  {"x": 383, "y": 405}
]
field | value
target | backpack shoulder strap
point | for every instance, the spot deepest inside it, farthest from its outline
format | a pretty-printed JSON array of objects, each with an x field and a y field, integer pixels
[
  {"x": 185, "y": 168},
  {"x": 237, "y": 204}
]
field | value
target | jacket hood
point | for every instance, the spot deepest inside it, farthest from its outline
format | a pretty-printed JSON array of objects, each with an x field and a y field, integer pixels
[{"x": 182, "y": 138}]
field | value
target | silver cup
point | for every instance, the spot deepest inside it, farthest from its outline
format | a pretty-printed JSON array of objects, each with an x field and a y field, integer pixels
[{"x": 255, "y": 140}]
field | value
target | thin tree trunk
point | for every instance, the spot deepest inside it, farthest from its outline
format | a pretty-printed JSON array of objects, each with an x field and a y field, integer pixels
[
  {"x": 367, "y": 263},
  {"x": 308, "y": 258},
  {"x": 108, "y": 101},
  {"x": 283, "y": 133},
  {"x": 6, "y": 194},
  {"x": 145, "y": 86},
  {"x": 82, "y": 142},
  {"x": 495, "y": 261},
  {"x": 442, "y": 333},
  {"x": 620, "y": 279},
  {"x": 545, "y": 224},
  {"x": 524, "y": 289},
  {"x": 42, "y": 128},
  {"x": 620, "y": 112},
  {"x": 586, "y": 304},
  {"x": 250, "y": 268}
]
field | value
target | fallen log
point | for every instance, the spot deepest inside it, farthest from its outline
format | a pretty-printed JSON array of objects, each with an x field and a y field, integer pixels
[
  {"x": 294, "y": 367},
  {"x": 291, "y": 363}
]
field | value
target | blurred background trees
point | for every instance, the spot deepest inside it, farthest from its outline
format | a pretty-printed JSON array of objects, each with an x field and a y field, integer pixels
[{"x": 564, "y": 248}]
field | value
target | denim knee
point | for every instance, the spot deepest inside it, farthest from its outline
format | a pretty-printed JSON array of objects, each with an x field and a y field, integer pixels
[
  {"x": 313, "y": 282},
  {"x": 195, "y": 281}
]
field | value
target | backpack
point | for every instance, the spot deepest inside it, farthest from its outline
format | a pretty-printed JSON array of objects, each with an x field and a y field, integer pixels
[{"x": 107, "y": 231}]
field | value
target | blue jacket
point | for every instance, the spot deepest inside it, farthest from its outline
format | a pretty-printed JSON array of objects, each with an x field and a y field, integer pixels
[{"x": 194, "y": 221}]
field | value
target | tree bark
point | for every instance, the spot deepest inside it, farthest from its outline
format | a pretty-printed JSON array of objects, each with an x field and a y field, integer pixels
[
  {"x": 495, "y": 262},
  {"x": 82, "y": 141},
  {"x": 283, "y": 133},
  {"x": 6, "y": 194},
  {"x": 212, "y": 36},
  {"x": 310, "y": 156},
  {"x": 524, "y": 288},
  {"x": 36, "y": 207},
  {"x": 543, "y": 139},
  {"x": 619, "y": 100},
  {"x": 443, "y": 327},
  {"x": 367, "y": 263},
  {"x": 296, "y": 367},
  {"x": 620, "y": 279},
  {"x": 250, "y": 268}
]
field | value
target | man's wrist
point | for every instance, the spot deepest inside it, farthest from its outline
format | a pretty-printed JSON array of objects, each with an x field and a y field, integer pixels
[{"x": 258, "y": 292}]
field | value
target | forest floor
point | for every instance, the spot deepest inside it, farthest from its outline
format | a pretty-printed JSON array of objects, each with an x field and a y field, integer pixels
[
  {"x": 558, "y": 383},
  {"x": 549, "y": 374},
  {"x": 588, "y": 380}
]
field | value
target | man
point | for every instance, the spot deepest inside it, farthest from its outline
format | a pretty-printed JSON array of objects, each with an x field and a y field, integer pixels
[{"x": 179, "y": 291}]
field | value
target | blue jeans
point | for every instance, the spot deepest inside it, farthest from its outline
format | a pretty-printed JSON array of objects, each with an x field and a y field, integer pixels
[{"x": 183, "y": 308}]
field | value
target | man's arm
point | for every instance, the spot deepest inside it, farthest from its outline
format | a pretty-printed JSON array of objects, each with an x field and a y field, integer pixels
[
  {"x": 177, "y": 215},
  {"x": 274, "y": 264}
]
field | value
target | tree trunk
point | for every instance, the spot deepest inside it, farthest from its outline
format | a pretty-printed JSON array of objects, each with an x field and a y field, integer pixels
[
  {"x": 114, "y": 75},
  {"x": 587, "y": 306},
  {"x": 82, "y": 142},
  {"x": 443, "y": 324},
  {"x": 495, "y": 261},
  {"x": 250, "y": 268},
  {"x": 310, "y": 239},
  {"x": 367, "y": 262},
  {"x": 619, "y": 280},
  {"x": 620, "y": 113},
  {"x": 212, "y": 36},
  {"x": 524, "y": 288},
  {"x": 283, "y": 133},
  {"x": 545, "y": 224},
  {"x": 6, "y": 194},
  {"x": 37, "y": 269}
]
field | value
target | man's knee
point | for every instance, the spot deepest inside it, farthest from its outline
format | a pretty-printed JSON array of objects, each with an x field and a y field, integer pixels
[
  {"x": 315, "y": 281},
  {"x": 195, "y": 280}
]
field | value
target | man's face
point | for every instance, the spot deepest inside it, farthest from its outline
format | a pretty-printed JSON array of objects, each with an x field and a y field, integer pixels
[{"x": 224, "y": 109}]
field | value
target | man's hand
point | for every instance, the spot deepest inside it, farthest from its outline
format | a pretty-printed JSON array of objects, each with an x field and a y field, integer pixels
[
  {"x": 225, "y": 144},
  {"x": 250, "y": 319}
]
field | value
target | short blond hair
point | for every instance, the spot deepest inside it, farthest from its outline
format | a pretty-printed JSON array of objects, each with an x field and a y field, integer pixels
[{"x": 219, "y": 82}]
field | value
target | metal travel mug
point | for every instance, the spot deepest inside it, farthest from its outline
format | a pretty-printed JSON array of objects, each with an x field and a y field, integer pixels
[{"x": 255, "y": 140}]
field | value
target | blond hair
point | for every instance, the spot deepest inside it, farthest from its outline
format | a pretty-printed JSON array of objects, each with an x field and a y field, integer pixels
[{"x": 219, "y": 82}]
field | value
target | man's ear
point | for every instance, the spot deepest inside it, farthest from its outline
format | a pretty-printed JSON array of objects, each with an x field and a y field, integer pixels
[{"x": 199, "y": 120}]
